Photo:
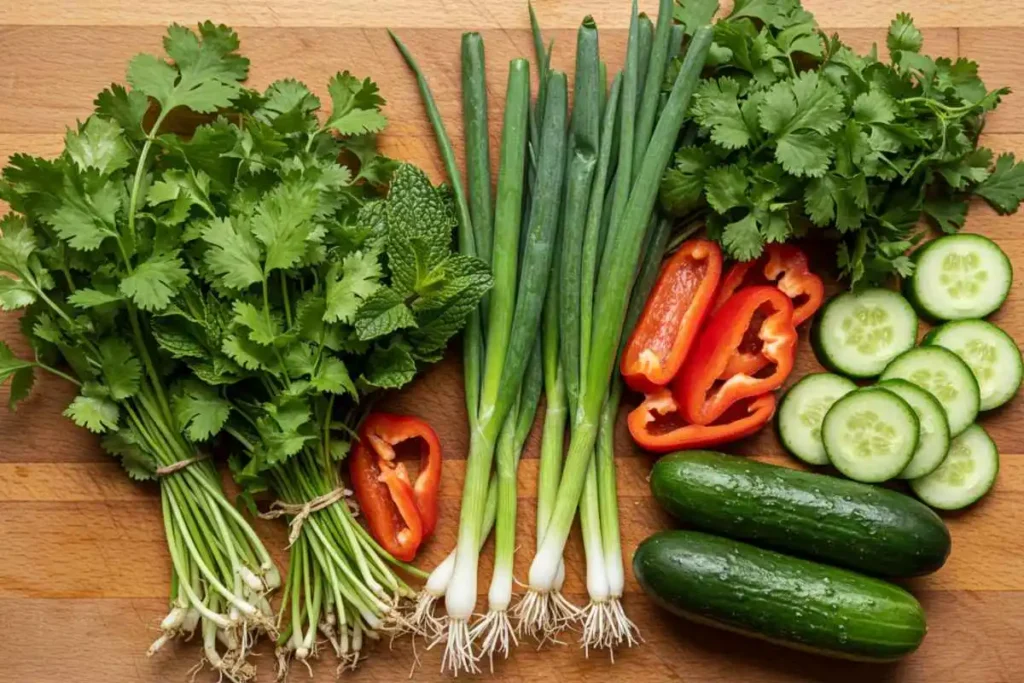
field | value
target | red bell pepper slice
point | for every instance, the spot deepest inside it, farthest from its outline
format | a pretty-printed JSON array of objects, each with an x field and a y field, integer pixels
[
  {"x": 784, "y": 266},
  {"x": 399, "y": 512},
  {"x": 674, "y": 312},
  {"x": 702, "y": 395},
  {"x": 657, "y": 426}
]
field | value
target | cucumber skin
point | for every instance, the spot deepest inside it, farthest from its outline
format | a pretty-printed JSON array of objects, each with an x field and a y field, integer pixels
[
  {"x": 789, "y": 601},
  {"x": 868, "y": 528}
]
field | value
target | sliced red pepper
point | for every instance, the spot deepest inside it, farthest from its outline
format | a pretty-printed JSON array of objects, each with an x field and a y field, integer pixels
[
  {"x": 761, "y": 313},
  {"x": 399, "y": 512},
  {"x": 674, "y": 312},
  {"x": 784, "y": 266},
  {"x": 657, "y": 426}
]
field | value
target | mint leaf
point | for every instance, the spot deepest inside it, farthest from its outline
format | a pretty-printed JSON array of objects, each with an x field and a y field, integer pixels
[
  {"x": 420, "y": 226},
  {"x": 390, "y": 367},
  {"x": 155, "y": 281},
  {"x": 1004, "y": 189},
  {"x": 383, "y": 313},
  {"x": 199, "y": 410}
]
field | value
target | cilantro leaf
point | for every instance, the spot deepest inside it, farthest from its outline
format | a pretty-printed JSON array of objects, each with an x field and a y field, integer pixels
[
  {"x": 355, "y": 106},
  {"x": 122, "y": 371},
  {"x": 1004, "y": 189},
  {"x": 903, "y": 35},
  {"x": 263, "y": 329},
  {"x": 726, "y": 188},
  {"x": 93, "y": 409},
  {"x": 11, "y": 364},
  {"x": 233, "y": 256},
  {"x": 199, "y": 410},
  {"x": 206, "y": 73},
  {"x": 125, "y": 107},
  {"x": 284, "y": 223},
  {"x": 949, "y": 214},
  {"x": 693, "y": 14},
  {"x": 332, "y": 377},
  {"x": 743, "y": 239},
  {"x": 155, "y": 281},
  {"x": 682, "y": 186},
  {"x": 125, "y": 445},
  {"x": 99, "y": 145},
  {"x": 90, "y": 298},
  {"x": 86, "y": 216},
  {"x": 717, "y": 108},
  {"x": 349, "y": 284},
  {"x": 15, "y": 294},
  {"x": 874, "y": 106}
]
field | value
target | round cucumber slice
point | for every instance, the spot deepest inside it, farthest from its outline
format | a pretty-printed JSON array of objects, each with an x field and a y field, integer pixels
[
  {"x": 870, "y": 435},
  {"x": 933, "y": 435},
  {"x": 959, "y": 276},
  {"x": 989, "y": 352},
  {"x": 967, "y": 473},
  {"x": 858, "y": 333},
  {"x": 941, "y": 372},
  {"x": 802, "y": 411}
]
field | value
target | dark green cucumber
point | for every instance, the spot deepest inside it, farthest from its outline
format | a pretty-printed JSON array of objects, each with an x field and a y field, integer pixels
[
  {"x": 786, "y": 600},
  {"x": 867, "y": 528}
]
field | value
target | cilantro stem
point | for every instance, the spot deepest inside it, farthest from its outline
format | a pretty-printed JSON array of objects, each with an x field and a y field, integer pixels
[
  {"x": 58, "y": 373},
  {"x": 285, "y": 299}
]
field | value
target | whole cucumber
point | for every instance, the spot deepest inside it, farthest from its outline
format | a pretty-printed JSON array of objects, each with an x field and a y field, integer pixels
[
  {"x": 867, "y": 528},
  {"x": 787, "y": 600}
]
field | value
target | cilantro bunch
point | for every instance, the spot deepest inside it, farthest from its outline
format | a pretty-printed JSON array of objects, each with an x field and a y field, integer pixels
[
  {"x": 796, "y": 134},
  {"x": 207, "y": 259}
]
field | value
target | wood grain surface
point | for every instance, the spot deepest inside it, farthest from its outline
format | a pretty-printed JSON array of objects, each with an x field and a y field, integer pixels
[{"x": 83, "y": 565}]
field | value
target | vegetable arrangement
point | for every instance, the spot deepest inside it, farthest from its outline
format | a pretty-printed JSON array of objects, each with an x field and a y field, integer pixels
[
  {"x": 255, "y": 275},
  {"x": 794, "y": 133}
]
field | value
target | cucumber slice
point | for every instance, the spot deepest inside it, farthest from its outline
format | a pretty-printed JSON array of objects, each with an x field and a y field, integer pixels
[
  {"x": 967, "y": 473},
  {"x": 958, "y": 277},
  {"x": 942, "y": 373},
  {"x": 870, "y": 434},
  {"x": 857, "y": 334},
  {"x": 802, "y": 411},
  {"x": 990, "y": 353},
  {"x": 933, "y": 435}
]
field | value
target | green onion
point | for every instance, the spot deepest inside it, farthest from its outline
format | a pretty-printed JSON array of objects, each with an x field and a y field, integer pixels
[
  {"x": 654, "y": 75},
  {"x": 478, "y": 151},
  {"x": 613, "y": 291}
]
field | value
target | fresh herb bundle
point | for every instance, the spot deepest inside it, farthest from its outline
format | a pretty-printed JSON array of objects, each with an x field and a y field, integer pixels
[
  {"x": 259, "y": 272},
  {"x": 797, "y": 134}
]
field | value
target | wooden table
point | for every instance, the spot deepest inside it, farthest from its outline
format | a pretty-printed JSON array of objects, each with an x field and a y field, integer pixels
[{"x": 83, "y": 564}]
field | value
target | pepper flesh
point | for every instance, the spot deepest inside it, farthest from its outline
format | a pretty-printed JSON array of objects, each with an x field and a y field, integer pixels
[
  {"x": 674, "y": 312},
  {"x": 400, "y": 513},
  {"x": 656, "y": 425},
  {"x": 785, "y": 267},
  {"x": 763, "y": 313}
]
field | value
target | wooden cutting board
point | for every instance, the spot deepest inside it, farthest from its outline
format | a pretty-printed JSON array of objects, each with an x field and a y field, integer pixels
[{"x": 83, "y": 566}]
